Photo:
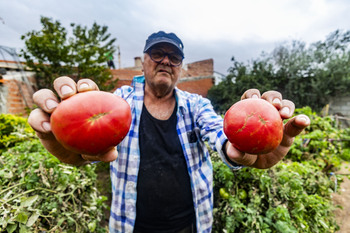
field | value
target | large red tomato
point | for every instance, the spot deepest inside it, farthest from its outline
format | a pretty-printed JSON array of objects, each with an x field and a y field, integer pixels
[
  {"x": 253, "y": 126},
  {"x": 91, "y": 122}
]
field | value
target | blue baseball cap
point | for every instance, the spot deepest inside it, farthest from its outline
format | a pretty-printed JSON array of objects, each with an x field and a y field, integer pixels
[{"x": 163, "y": 37}]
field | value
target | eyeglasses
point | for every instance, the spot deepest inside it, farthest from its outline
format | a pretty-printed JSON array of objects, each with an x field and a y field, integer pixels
[{"x": 157, "y": 55}]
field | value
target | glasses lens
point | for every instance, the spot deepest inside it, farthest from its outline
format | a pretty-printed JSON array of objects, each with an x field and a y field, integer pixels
[
  {"x": 157, "y": 54},
  {"x": 175, "y": 59}
]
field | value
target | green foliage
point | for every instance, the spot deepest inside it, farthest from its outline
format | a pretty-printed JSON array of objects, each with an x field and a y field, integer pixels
[
  {"x": 290, "y": 197},
  {"x": 309, "y": 76},
  {"x": 240, "y": 79},
  {"x": 322, "y": 143},
  {"x": 13, "y": 129},
  {"x": 40, "y": 194},
  {"x": 223, "y": 95},
  {"x": 51, "y": 54}
]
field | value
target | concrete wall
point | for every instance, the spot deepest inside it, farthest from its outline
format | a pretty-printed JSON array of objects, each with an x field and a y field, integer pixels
[
  {"x": 340, "y": 105},
  {"x": 3, "y": 98}
]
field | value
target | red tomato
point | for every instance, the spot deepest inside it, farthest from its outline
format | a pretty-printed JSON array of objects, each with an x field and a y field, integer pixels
[
  {"x": 91, "y": 122},
  {"x": 253, "y": 126}
]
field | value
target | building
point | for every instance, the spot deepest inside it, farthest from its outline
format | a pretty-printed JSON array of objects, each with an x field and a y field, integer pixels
[{"x": 16, "y": 88}]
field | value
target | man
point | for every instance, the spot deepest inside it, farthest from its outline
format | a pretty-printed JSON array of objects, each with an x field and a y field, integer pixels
[
  {"x": 110, "y": 62},
  {"x": 161, "y": 173}
]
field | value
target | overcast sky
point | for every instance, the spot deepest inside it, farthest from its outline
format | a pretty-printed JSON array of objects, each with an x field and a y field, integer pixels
[{"x": 217, "y": 29}]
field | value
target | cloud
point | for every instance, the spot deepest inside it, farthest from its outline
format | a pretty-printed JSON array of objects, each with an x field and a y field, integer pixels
[{"x": 209, "y": 29}]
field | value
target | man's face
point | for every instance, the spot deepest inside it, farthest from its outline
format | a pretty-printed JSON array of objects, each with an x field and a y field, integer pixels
[{"x": 161, "y": 77}]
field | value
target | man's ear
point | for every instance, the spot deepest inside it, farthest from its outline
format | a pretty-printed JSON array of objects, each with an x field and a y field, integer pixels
[{"x": 143, "y": 62}]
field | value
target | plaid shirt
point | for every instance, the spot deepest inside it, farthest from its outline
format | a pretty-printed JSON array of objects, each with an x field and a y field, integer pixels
[{"x": 197, "y": 122}]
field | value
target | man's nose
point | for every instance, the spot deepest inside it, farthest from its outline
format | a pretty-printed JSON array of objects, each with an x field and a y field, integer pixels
[{"x": 166, "y": 60}]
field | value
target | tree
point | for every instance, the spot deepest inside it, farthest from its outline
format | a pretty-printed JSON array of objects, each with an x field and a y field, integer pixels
[
  {"x": 310, "y": 76},
  {"x": 50, "y": 53},
  {"x": 257, "y": 75}
]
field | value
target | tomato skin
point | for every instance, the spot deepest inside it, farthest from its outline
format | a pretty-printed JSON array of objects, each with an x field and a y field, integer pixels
[
  {"x": 253, "y": 126},
  {"x": 91, "y": 122}
]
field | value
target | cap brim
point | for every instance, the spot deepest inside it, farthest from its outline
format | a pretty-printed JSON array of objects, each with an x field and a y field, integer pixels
[{"x": 163, "y": 40}]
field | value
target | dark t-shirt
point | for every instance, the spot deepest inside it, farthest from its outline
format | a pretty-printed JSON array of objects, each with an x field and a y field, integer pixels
[{"x": 164, "y": 197}]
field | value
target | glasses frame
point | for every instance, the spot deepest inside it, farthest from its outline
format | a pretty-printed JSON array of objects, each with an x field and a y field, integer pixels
[{"x": 149, "y": 52}]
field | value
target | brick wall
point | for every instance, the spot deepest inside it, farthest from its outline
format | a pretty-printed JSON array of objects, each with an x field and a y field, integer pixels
[
  {"x": 19, "y": 97},
  {"x": 16, "y": 95},
  {"x": 197, "y": 77},
  {"x": 124, "y": 76},
  {"x": 199, "y": 68},
  {"x": 199, "y": 86}
]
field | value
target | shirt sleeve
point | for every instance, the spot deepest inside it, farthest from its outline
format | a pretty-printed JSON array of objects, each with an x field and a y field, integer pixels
[{"x": 211, "y": 129}]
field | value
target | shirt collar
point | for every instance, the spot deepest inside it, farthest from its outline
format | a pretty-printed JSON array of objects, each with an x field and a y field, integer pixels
[{"x": 138, "y": 82}]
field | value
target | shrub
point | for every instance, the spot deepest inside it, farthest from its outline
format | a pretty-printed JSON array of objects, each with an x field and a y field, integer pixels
[
  {"x": 40, "y": 194},
  {"x": 323, "y": 142},
  {"x": 290, "y": 197},
  {"x": 13, "y": 129}
]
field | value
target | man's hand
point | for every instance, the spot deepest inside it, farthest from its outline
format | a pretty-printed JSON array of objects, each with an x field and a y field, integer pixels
[
  {"x": 291, "y": 129},
  {"x": 39, "y": 119}
]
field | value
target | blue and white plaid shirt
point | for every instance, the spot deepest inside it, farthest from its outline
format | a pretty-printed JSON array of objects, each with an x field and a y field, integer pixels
[{"x": 196, "y": 122}]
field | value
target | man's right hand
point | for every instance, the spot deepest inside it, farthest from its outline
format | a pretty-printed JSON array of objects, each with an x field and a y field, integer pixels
[{"x": 39, "y": 119}]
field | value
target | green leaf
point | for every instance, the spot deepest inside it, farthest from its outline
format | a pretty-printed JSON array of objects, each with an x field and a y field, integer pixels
[
  {"x": 323, "y": 224},
  {"x": 32, "y": 219},
  {"x": 92, "y": 226},
  {"x": 22, "y": 217},
  {"x": 24, "y": 229},
  {"x": 11, "y": 228},
  {"x": 28, "y": 201}
]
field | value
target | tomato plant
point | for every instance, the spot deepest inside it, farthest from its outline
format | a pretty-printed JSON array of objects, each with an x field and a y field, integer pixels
[
  {"x": 292, "y": 196},
  {"x": 40, "y": 194}
]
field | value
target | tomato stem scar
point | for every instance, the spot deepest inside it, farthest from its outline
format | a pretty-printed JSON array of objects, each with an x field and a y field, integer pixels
[
  {"x": 262, "y": 120},
  {"x": 245, "y": 122},
  {"x": 98, "y": 116}
]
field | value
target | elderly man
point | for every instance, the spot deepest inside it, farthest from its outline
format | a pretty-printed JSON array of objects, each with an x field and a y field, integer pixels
[{"x": 161, "y": 172}]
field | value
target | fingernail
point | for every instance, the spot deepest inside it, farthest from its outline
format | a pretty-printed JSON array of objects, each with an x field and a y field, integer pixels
[
  {"x": 304, "y": 118},
  {"x": 277, "y": 101},
  {"x": 51, "y": 104},
  {"x": 255, "y": 96},
  {"x": 285, "y": 111},
  {"x": 84, "y": 86},
  {"x": 65, "y": 90},
  {"x": 46, "y": 126}
]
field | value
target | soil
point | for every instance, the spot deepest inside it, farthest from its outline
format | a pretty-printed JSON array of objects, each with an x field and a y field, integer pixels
[{"x": 342, "y": 198}]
